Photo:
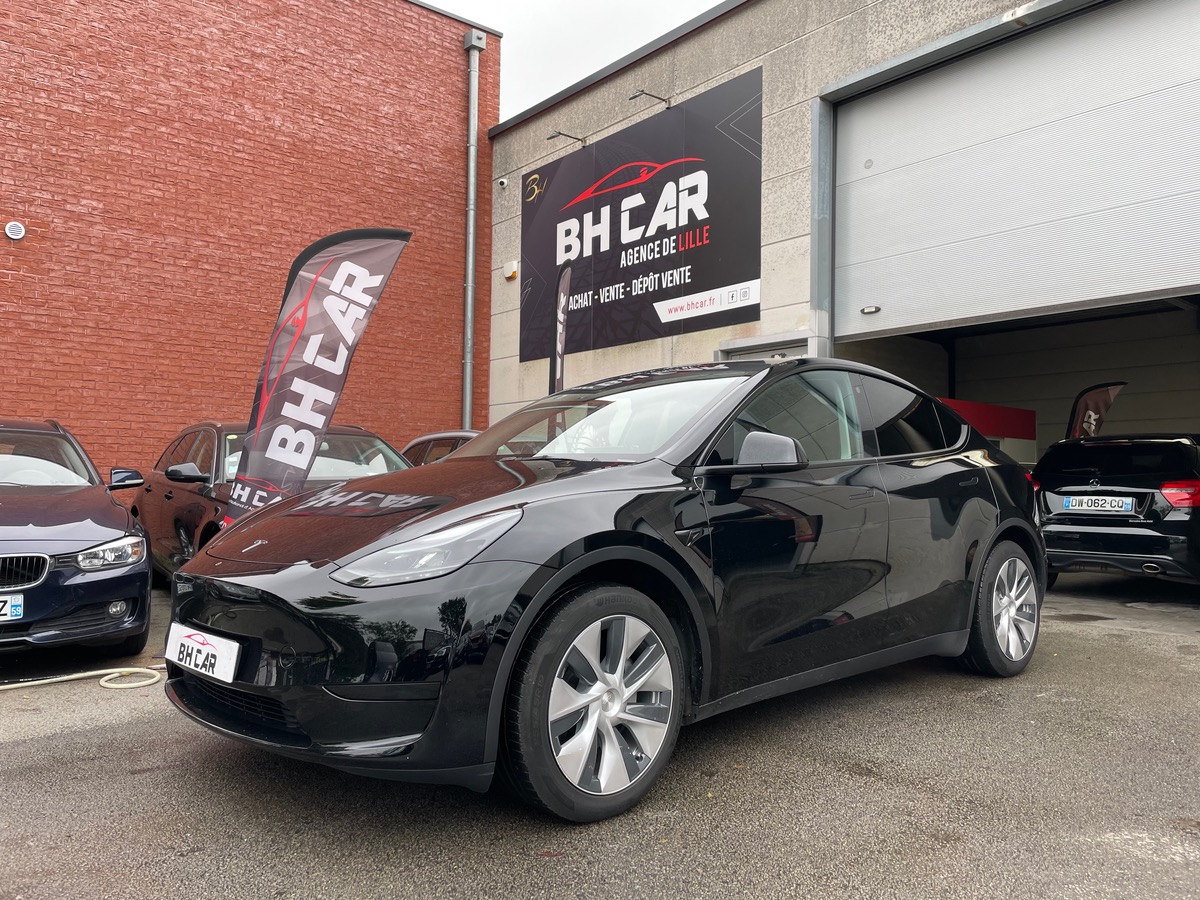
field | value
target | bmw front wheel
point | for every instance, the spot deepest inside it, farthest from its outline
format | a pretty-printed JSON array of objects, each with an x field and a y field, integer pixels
[{"x": 594, "y": 710}]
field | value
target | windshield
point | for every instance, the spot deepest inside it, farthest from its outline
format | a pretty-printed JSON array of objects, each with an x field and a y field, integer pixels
[
  {"x": 625, "y": 423},
  {"x": 341, "y": 457},
  {"x": 30, "y": 459},
  {"x": 1118, "y": 458}
]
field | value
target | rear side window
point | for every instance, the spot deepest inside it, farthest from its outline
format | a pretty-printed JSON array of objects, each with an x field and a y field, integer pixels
[
  {"x": 1119, "y": 458},
  {"x": 904, "y": 422}
]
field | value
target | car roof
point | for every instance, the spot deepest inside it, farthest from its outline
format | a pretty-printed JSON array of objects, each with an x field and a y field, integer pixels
[
  {"x": 44, "y": 425},
  {"x": 238, "y": 426},
  {"x": 1134, "y": 438},
  {"x": 442, "y": 435}
]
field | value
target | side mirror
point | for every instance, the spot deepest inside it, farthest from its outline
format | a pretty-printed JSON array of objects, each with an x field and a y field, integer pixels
[
  {"x": 125, "y": 478},
  {"x": 771, "y": 451},
  {"x": 186, "y": 473},
  {"x": 762, "y": 451}
]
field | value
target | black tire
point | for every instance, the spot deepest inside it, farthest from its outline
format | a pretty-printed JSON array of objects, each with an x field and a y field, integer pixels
[
  {"x": 1051, "y": 577},
  {"x": 131, "y": 646},
  {"x": 1007, "y": 617},
  {"x": 615, "y": 757}
]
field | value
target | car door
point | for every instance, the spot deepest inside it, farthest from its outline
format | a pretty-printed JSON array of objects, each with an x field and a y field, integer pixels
[
  {"x": 189, "y": 505},
  {"x": 799, "y": 557},
  {"x": 159, "y": 494},
  {"x": 942, "y": 509}
]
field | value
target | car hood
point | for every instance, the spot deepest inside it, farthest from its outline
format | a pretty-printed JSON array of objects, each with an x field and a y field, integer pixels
[
  {"x": 66, "y": 517},
  {"x": 333, "y": 522}
]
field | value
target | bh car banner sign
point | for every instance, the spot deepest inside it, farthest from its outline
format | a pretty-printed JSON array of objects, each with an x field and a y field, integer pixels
[
  {"x": 658, "y": 226},
  {"x": 1090, "y": 407},
  {"x": 331, "y": 290}
]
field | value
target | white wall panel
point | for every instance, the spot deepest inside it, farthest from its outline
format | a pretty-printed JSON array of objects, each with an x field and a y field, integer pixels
[{"x": 1059, "y": 169}]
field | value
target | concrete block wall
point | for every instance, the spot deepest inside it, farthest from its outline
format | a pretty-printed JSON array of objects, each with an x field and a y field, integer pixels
[{"x": 169, "y": 160}]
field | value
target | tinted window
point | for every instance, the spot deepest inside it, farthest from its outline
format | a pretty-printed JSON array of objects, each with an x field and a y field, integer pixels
[
  {"x": 416, "y": 455},
  {"x": 1119, "y": 458},
  {"x": 202, "y": 450},
  {"x": 815, "y": 408},
  {"x": 179, "y": 452},
  {"x": 904, "y": 422},
  {"x": 439, "y": 448}
]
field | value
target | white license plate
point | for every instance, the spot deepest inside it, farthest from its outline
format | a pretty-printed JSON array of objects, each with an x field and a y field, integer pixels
[
  {"x": 1098, "y": 504},
  {"x": 12, "y": 606},
  {"x": 204, "y": 653}
]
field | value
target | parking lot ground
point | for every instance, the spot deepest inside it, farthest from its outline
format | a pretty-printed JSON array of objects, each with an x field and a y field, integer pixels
[{"x": 1077, "y": 779}]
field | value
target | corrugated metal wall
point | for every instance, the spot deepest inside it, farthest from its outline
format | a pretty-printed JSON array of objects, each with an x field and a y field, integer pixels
[
  {"x": 1058, "y": 169},
  {"x": 1044, "y": 368}
]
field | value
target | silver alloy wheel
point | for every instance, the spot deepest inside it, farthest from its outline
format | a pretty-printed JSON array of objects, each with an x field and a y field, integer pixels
[
  {"x": 610, "y": 704},
  {"x": 1014, "y": 609}
]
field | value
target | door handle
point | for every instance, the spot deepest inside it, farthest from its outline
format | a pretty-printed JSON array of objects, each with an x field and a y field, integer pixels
[
  {"x": 168, "y": 495},
  {"x": 970, "y": 482},
  {"x": 863, "y": 495}
]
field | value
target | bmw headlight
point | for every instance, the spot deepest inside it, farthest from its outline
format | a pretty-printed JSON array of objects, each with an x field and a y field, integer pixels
[
  {"x": 123, "y": 552},
  {"x": 431, "y": 555}
]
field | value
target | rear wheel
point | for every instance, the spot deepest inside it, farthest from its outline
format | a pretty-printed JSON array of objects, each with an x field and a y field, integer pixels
[
  {"x": 1007, "y": 618},
  {"x": 594, "y": 709}
]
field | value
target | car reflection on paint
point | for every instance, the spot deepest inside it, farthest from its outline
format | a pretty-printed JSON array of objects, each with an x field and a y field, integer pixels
[
  {"x": 186, "y": 494},
  {"x": 560, "y": 595},
  {"x": 73, "y": 563}
]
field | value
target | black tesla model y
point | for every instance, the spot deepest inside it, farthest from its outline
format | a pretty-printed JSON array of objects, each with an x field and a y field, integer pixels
[{"x": 557, "y": 597}]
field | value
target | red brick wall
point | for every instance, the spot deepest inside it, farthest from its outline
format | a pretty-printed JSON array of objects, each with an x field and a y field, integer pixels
[{"x": 170, "y": 158}]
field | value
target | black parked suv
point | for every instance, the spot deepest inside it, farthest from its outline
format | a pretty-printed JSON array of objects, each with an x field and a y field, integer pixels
[
  {"x": 564, "y": 591},
  {"x": 1122, "y": 504}
]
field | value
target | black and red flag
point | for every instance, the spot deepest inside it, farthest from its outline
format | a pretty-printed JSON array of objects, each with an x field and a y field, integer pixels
[
  {"x": 1090, "y": 407},
  {"x": 331, "y": 291}
]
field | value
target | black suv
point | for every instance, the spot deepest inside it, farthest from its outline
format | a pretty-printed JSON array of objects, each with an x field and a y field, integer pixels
[
  {"x": 564, "y": 591},
  {"x": 1123, "y": 504}
]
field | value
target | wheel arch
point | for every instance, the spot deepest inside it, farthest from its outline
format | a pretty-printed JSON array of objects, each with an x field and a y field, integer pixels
[
  {"x": 1024, "y": 536},
  {"x": 638, "y": 568}
]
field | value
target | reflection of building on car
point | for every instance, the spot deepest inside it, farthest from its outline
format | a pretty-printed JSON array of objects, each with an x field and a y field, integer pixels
[
  {"x": 183, "y": 503},
  {"x": 73, "y": 562},
  {"x": 1122, "y": 504},
  {"x": 437, "y": 445},
  {"x": 564, "y": 591}
]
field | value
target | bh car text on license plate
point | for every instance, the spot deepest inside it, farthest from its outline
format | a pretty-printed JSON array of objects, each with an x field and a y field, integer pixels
[
  {"x": 204, "y": 653},
  {"x": 1099, "y": 504}
]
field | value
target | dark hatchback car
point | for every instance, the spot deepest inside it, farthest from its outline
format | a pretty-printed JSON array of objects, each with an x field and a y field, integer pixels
[
  {"x": 1122, "y": 504},
  {"x": 73, "y": 561},
  {"x": 675, "y": 544},
  {"x": 183, "y": 503}
]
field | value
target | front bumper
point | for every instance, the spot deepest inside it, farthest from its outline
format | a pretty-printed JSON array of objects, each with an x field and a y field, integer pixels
[
  {"x": 71, "y": 607},
  {"x": 389, "y": 682}
]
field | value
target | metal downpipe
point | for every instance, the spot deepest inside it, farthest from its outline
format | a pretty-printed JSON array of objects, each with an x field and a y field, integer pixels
[{"x": 474, "y": 42}]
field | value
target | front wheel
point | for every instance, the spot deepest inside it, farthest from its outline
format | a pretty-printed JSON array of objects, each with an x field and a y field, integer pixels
[
  {"x": 1005, "y": 625},
  {"x": 594, "y": 709}
]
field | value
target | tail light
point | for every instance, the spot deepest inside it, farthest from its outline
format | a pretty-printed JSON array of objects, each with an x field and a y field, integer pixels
[
  {"x": 1182, "y": 494},
  {"x": 1033, "y": 481}
]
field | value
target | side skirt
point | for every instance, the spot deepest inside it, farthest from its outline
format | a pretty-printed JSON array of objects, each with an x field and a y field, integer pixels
[{"x": 952, "y": 643}]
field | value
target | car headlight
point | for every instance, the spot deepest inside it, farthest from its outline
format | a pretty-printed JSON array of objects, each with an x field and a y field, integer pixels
[
  {"x": 430, "y": 555},
  {"x": 123, "y": 552}
]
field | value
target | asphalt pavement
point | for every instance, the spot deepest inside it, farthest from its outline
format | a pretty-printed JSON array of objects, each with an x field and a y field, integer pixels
[{"x": 1077, "y": 779}]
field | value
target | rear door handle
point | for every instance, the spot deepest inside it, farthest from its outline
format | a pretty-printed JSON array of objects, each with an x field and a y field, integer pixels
[
  {"x": 168, "y": 495},
  {"x": 969, "y": 482}
]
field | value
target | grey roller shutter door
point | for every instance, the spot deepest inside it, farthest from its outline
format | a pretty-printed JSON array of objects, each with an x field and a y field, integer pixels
[{"x": 1058, "y": 170}]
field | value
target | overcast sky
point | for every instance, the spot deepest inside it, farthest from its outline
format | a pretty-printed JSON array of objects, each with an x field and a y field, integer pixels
[{"x": 551, "y": 44}]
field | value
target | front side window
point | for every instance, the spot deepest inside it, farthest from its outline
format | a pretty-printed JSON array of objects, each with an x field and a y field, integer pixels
[
  {"x": 201, "y": 451},
  {"x": 818, "y": 409}
]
